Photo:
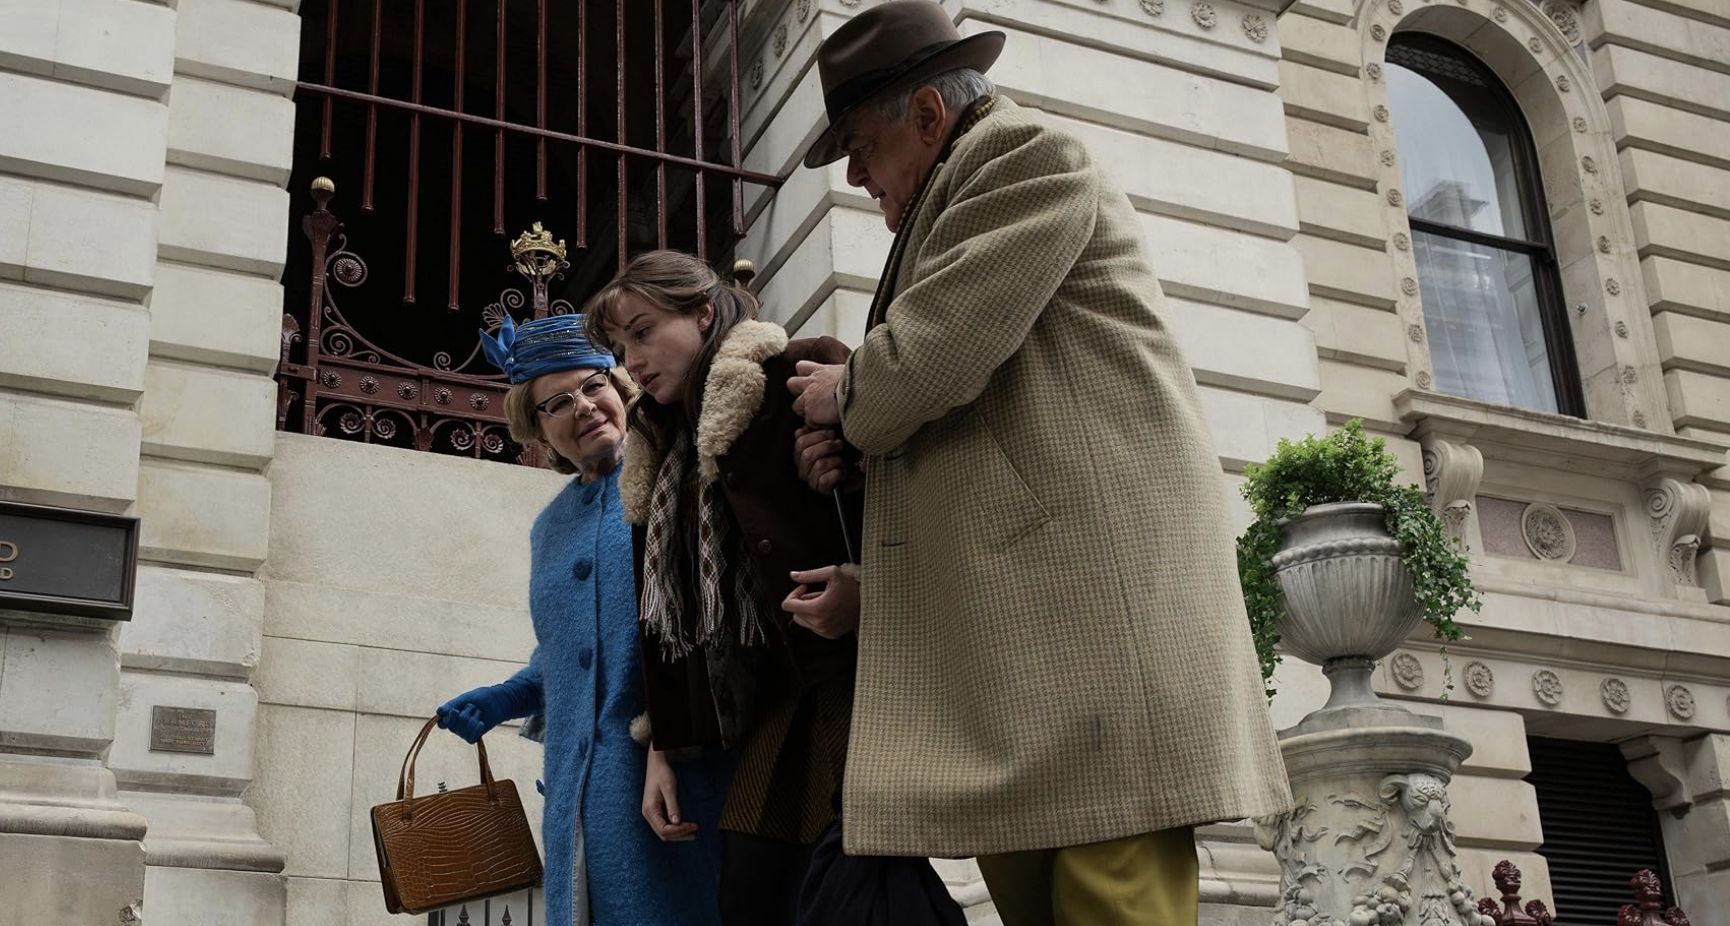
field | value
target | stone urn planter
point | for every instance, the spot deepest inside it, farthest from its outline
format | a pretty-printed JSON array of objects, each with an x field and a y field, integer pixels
[{"x": 1349, "y": 600}]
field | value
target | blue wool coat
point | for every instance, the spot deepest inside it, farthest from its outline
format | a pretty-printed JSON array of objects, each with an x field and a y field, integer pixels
[{"x": 586, "y": 665}]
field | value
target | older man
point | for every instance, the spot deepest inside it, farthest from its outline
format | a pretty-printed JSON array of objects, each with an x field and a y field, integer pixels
[{"x": 1055, "y": 672}]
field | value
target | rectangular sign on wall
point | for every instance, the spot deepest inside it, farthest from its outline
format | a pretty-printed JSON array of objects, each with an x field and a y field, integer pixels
[{"x": 67, "y": 561}]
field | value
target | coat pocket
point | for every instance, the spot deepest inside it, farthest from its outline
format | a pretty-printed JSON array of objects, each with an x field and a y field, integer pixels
[{"x": 1004, "y": 500}]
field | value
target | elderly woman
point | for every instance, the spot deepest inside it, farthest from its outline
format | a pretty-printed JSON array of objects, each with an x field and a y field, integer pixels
[{"x": 582, "y": 688}]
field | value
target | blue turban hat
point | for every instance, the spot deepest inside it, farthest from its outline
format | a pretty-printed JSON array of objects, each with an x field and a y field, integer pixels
[{"x": 543, "y": 345}]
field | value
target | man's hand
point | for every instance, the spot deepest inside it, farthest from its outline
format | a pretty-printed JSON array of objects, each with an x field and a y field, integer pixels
[
  {"x": 815, "y": 387},
  {"x": 831, "y": 613},
  {"x": 817, "y": 456}
]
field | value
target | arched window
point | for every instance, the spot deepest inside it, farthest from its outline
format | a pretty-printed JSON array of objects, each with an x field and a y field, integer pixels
[{"x": 1486, "y": 264}]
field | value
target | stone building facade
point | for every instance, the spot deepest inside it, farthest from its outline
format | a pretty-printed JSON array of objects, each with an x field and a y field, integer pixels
[{"x": 322, "y": 596}]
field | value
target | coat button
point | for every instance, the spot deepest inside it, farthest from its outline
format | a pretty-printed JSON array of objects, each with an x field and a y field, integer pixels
[
  {"x": 590, "y": 493},
  {"x": 764, "y": 548},
  {"x": 586, "y": 657},
  {"x": 582, "y": 569}
]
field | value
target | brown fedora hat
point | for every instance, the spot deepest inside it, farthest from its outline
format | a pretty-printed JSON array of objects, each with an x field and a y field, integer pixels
[{"x": 889, "y": 46}]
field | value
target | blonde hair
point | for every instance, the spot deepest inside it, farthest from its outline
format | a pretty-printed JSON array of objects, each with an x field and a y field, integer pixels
[
  {"x": 525, "y": 422},
  {"x": 674, "y": 282}
]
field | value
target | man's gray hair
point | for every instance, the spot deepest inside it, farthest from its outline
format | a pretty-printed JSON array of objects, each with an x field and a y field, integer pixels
[{"x": 958, "y": 88}]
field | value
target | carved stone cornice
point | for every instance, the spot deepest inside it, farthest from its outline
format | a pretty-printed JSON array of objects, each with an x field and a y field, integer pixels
[
  {"x": 1678, "y": 512},
  {"x": 1555, "y": 441},
  {"x": 1452, "y": 472}
]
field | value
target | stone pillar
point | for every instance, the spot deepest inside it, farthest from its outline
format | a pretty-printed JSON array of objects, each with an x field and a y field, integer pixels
[
  {"x": 82, "y": 135},
  {"x": 208, "y": 413}
]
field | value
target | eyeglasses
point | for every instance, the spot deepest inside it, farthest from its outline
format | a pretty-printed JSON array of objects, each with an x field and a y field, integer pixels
[{"x": 566, "y": 402}]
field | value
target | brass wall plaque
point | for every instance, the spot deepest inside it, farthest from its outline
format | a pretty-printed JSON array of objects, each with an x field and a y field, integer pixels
[
  {"x": 67, "y": 561},
  {"x": 183, "y": 729}
]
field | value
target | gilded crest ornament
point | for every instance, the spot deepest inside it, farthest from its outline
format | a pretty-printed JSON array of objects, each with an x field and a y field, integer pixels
[{"x": 537, "y": 255}]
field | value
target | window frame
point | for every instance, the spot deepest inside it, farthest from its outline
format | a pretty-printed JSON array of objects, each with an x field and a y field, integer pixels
[{"x": 1495, "y": 100}]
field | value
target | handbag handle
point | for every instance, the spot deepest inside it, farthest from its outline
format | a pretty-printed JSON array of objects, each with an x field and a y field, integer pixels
[{"x": 405, "y": 777}]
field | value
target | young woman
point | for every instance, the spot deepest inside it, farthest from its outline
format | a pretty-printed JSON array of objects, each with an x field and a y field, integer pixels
[
  {"x": 741, "y": 643},
  {"x": 581, "y": 687}
]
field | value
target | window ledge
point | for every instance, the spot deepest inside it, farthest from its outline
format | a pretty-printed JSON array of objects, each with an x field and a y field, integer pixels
[{"x": 1557, "y": 441}]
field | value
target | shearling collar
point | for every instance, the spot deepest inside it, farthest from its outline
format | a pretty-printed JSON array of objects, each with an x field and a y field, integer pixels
[{"x": 732, "y": 394}]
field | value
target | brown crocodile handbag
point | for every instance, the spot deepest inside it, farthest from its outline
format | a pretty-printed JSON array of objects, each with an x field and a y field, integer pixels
[{"x": 453, "y": 846}]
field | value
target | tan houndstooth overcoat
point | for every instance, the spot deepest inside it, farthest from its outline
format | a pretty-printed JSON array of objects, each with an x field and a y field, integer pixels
[{"x": 1052, "y": 649}]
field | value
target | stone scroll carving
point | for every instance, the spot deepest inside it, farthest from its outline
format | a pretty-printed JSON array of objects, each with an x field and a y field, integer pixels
[
  {"x": 1451, "y": 476},
  {"x": 1678, "y": 511}
]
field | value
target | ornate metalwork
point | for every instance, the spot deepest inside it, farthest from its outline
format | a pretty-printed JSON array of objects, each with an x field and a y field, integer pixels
[
  {"x": 334, "y": 381},
  {"x": 1648, "y": 899},
  {"x": 1507, "y": 878}
]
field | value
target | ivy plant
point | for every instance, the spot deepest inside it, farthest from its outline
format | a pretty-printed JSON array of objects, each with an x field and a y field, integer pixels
[{"x": 1346, "y": 466}]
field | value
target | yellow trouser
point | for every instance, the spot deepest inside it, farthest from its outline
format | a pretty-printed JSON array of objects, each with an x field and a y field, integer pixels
[{"x": 1148, "y": 880}]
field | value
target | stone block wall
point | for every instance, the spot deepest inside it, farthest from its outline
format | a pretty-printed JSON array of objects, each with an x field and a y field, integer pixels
[
  {"x": 395, "y": 581},
  {"x": 1664, "y": 74}
]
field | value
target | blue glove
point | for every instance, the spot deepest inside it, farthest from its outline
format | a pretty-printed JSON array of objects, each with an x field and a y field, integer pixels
[{"x": 471, "y": 714}]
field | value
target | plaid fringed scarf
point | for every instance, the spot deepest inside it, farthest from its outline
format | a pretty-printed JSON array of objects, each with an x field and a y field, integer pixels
[{"x": 725, "y": 583}]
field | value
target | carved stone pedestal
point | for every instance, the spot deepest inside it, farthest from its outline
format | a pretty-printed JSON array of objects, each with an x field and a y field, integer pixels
[{"x": 1369, "y": 843}]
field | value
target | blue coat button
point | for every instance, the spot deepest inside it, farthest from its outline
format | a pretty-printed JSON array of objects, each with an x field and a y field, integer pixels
[
  {"x": 581, "y": 569},
  {"x": 590, "y": 493},
  {"x": 586, "y": 658}
]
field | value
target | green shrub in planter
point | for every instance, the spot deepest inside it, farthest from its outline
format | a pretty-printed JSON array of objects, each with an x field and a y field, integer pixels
[{"x": 1345, "y": 466}]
